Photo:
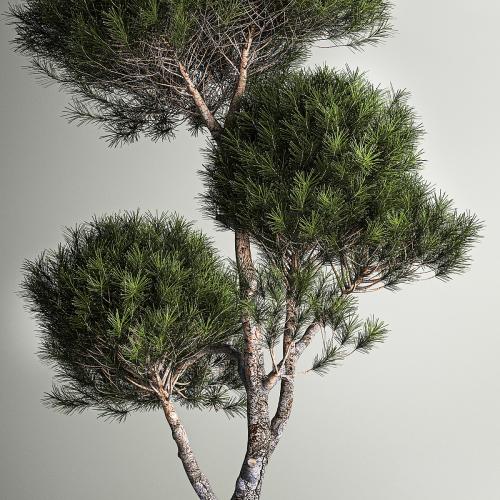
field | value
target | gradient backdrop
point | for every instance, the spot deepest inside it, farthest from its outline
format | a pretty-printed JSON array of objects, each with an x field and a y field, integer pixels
[{"x": 417, "y": 419}]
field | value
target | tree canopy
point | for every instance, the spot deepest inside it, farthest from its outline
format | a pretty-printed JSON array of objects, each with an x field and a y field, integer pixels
[
  {"x": 322, "y": 165},
  {"x": 134, "y": 66},
  {"x": 129, "y": 297}
]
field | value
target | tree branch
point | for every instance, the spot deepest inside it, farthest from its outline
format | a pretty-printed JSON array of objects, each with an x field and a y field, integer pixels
[
  {"x": 297, "y": 348},
  {"x": 278, "y": 371},
  {"x": 305, "y": 340},
  {"x": 197, "y": 479},
  {"x": 212, "y": 124},
  {"x": 253, "y": 356},
  {"x": 285, "y": 402},
  {"x": 224, "y": 349},
  {"x": 243, "y": 75}
]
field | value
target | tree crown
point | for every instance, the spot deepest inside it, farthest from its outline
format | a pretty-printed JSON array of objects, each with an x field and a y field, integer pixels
[
  {"x": 125, "y": 296},
  {"x": 130, "y": 64},
  {"x": 322, "y": 165}
]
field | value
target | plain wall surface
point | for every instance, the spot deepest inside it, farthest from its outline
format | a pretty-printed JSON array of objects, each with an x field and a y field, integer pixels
[{"x": 416, "y": 419}]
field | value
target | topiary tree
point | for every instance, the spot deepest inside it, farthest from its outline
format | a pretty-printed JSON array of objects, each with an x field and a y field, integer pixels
[{"x": 318, "y": 169}]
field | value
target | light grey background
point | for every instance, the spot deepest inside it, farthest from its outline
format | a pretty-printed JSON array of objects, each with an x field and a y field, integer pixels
[{"x": 418, "y": 419}]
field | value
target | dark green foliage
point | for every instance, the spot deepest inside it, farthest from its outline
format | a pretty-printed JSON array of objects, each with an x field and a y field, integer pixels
[
  {"x": 125, "y": 296},
  {"x": 319, "y": 169},
  {"x": 120, "y": 59},
  {"x": 323, "y": 167}
]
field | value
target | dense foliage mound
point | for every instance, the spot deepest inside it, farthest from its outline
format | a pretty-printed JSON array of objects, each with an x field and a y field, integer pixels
[
  {"x": 325, "y": 166},
  {"x": 128, "y": 297}
]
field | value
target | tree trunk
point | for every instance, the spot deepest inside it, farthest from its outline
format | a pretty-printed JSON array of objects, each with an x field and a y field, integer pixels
[
  {"x": 198, "y": 480},
  {"x": 249, "y": 482}
]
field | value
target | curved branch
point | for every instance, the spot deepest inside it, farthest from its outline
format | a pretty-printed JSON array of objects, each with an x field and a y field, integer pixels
[
  {"x": 224, "y": 349},
  {"x": 212, "y": 124},
  {"x": 196, "y": 477}
]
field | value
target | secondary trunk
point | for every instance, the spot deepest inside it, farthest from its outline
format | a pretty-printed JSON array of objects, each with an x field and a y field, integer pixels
[
  {"x": 285, "y": 402},
  {"x": 198, "y": 480}
]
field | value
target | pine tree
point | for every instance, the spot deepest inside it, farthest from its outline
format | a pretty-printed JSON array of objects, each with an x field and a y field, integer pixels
[{"x": 319, "y": 169}]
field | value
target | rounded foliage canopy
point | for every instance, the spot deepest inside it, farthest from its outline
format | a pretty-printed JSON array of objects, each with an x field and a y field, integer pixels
[
  {"x": 120, "y": 58},
  {"x": 125, "y": 296},
  {"x": 322, "y": 162}
]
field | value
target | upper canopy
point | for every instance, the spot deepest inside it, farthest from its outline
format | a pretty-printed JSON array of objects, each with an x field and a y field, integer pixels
[{"x": 121, "y": 59}]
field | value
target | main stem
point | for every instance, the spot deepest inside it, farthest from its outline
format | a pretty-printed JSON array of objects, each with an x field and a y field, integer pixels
[
  {"x": 259, "y": 440},
  {"x": 249, "y": 482}
]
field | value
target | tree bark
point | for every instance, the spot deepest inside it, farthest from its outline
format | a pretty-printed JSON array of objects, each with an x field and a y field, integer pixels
[
  {"x": 285, "y": 401},
  {"x": 211, "y": 122},
  {"x": 243, "y": 76},
  {"x": 249, "y": 482},
  {"x": 198, "y": 480}
]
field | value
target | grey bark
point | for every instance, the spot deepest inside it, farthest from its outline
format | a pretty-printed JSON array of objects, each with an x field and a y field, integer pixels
[
  {"x": 249, "y": 482},
  {"x": 198, "y": 480}
]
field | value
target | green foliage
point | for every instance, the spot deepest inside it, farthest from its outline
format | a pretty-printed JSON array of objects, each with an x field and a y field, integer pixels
[
  {"x": 319, "y": 167},
  {"x": 127, "y": 294},
  {"x": 319, "y": 300},
  {"x": 329, "y": 358},
  {"x": 350, "y": 336},
  {"x": 322, "y": 167},
  {"x": 120, "y": 58}
]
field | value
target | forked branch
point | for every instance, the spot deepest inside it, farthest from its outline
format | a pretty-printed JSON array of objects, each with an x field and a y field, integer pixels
[{"x": 212, "y": 124}]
